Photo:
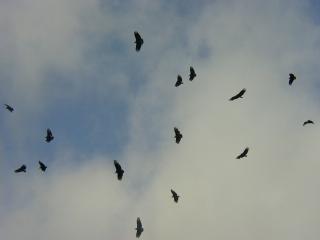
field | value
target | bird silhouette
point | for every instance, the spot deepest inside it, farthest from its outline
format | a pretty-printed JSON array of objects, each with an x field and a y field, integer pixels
[
  {"x": 9, "y": 108},
  {"x": 239, "y": 95},
  {"x": 139, "y": 41},
  {"x": 308, "y": 122},
  {"x": 175, "y": 196},
  {"x": 49, "y": 136},
  {"x": 139, "y": 228},
  {"x": 292, "y": 77},
  {"x": 119, "y": 170},
  {"x": 243, "y": 154},
  {"x": 192, "y": 74},
  {"x": 179, "y": 81},
  {"x": 23, "y": 168},
  {"x": 178, "y": 135},
  {"x": 42, "y": 166}
]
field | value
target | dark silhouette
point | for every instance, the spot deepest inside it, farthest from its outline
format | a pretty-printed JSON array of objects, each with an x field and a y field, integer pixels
[
  {"x": 119, "y": 170},
  {"x": 308, "y": 122},
  {"x": 179, "y": 81},
  {"x": 9, "y": 108},
  {"x": 292, "y": 77},
  {"x": 239, "y": 95},
  {"x": 23, "y": 168},
  {"x": 49, "y": 136},
  {"x": 243, "y": 154},
  {"x": 192, "y": 74},
  {"x": 175, "y": 196},
  {"x": 178, "y": 135},
  {"x": 42, "y": 166},
  {"x": 138, "y": 42},
  {"x": 139, "y": 228}
]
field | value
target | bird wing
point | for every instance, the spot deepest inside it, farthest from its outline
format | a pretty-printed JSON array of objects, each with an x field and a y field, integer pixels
[
  {"x": 42, "y": 165},
  {"x": 117, "y": 165},
  {"x": 246, "y": 151},
  {"x": 176, "y": 131},
  {"x": 139, "y": 41},
  {"x": 49, "y": 133},
  {"x": 139, "y": 224}
]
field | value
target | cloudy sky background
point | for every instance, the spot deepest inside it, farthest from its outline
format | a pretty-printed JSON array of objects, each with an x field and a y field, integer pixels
[{"x": 71, "y": 65}]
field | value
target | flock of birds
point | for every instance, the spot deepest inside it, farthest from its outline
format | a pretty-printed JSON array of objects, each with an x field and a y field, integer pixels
[{"x": 178, "y": 135}]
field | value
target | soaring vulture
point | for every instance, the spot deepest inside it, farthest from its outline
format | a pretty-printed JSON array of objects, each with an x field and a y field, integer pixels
[
  {"x": 139, "y": 228},
  {"x": 9, "y": 108},
  {"x": 139, "y": 41},
  {"x": 308, "y": 122},
  {"x": 292, "y": 77},
  {"x": 179, "y": 81},
  {"x": 175, "y": 196},
  {"x": 178, "y": 135},
  {"x": 49, "y": 136},
  {"x": 243, "y": 154},
  {"x": 119, "y": 170},
  {"x": 42, "y": 166},
  {"x": 192, "y": 74},
  {"x": 239, "y": 95},
  {"x": 23, "y": 168}
]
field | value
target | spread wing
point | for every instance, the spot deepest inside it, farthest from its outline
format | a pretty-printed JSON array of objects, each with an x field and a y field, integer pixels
[
  {"x": 8, "y": 107},
  {"x": 179, "y": 81},
  {"x": 139, "y": 41},
  {"x": 21, "y": 169},
  {"x": 139, "y": 224},
  {"x": 43, "y": 167},
  {"x": 292, "y": 77},
  {"x": 239, "y": 95},
  {"x": 49, "y": 133}
]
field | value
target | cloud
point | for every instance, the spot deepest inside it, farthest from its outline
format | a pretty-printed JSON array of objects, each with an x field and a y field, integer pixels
[{"x": 253, "y": 44}]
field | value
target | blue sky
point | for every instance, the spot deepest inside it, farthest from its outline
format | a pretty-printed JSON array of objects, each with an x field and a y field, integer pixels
[{"x": 71, "y": 66}]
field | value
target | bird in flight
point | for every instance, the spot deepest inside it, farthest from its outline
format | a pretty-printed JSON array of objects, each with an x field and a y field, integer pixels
[
  {"x": 308, "y": 122},
  {"x": 49, "y": 136},
  {"x": 243, "y": 154},
  {"x": 139, "y": 41},
  {"x": 139, "y": 228},
  {"x": 119, "y": 170},
  {"x": 292, "y": 77},
  {"x": 179, "y": 81},
  {"x": 175, "y": 196},
  {"x": 178, "y": 135},
  {"x": 42, "y": 166},
  {"x": 239, "y": 95},
  {"x": 192, "y": 74},
  {"x": 23, "y": 168},
  {"x": 9, "y": 108}
]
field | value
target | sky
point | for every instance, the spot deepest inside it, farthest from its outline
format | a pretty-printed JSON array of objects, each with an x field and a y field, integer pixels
[{"x": 71, "y": 66}]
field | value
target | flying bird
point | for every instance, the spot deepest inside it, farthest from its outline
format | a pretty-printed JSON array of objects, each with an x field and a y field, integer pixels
[
  {"x": 9, "y": 108},
  {"x": 119, "y": 170},
  {"x": 139, "y": 228},
  {"x": 178, "y": 135},
  {"x": 23, "y": 168},
  {"x": 308, "y": 122},
  {"x": 175, "y": 196},
  {"x": 179, "y": 81},
  {"x": 138, "y": 42},
  {"x": 239, "y": 95},
  {"x": 243, "y": 154},
  {"x": 292, "y": 77},
  {"x": 49, "y": 136},
  {"x": 42, "y": 166},
  {"x": 192, "y": 74}
]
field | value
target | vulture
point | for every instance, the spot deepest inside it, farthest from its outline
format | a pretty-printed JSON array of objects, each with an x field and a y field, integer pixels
[
  {"x": 243, "y": 154},
  {"x": 175, "y": 196},
  {"x": 119, "y": 170},
  {"x": 292, "y": 77},
  {"x": 179, "y": 81},
  {"x": 308, "y": 122},
  {"x": 239, "y": 95},
  {"x": 9, "y": 108},
  {"x": 139, "y": 41},
  {"x": 139, "y": 228},
  {"x": 49, "y": 136},
  {"x": 23, "y": 168},
  {"x": 42, "y": 166},
  {"x": 192, "y": 74},
  {"x": 178, "y": 135}
]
